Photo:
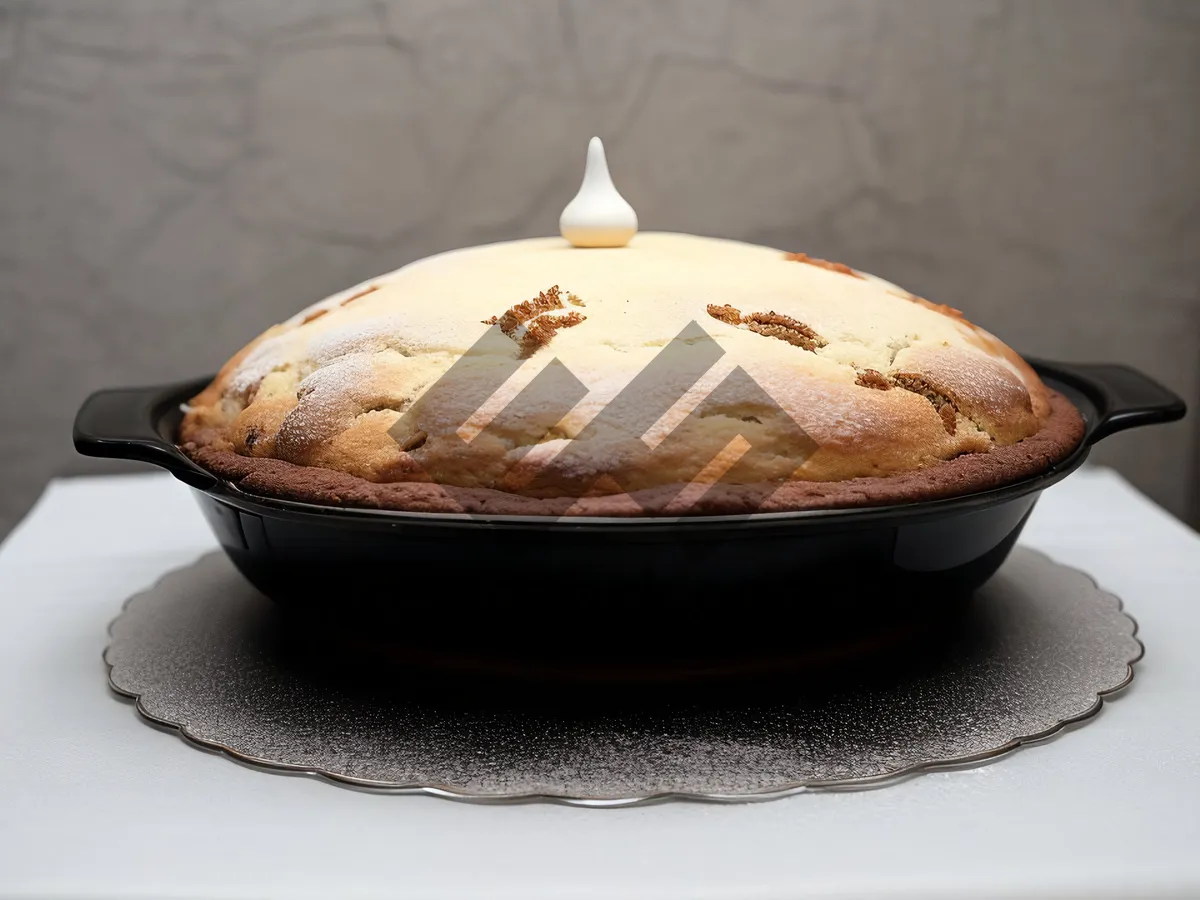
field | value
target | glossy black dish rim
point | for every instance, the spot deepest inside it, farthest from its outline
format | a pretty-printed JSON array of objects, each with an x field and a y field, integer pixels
[{"x": 155, "y": 413}]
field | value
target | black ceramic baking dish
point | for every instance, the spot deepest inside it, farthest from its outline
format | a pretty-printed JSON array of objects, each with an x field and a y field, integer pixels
[{"x": 591, "y": 577}]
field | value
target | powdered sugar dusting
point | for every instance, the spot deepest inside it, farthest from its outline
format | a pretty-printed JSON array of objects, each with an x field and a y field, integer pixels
[
  {"x": 388, "y": 332},
  {"x": 375, "y": 355},
  {"x": 271, "y": 355},
  {"x": 329, "y": 399},
  {"x": 318, "y": 346},
  {"x": 362, "y": 336}
]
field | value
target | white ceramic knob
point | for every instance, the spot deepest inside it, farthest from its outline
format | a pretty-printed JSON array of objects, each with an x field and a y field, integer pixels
[{"x": 598, "y": 216}]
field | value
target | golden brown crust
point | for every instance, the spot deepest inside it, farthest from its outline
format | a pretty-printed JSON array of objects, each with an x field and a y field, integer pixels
[
  {"x": 969, "y": 473},
  {"x": 822, "y": 263},
  {"x": 355, "y": 296},
  {"x": 938, "y": 307}
]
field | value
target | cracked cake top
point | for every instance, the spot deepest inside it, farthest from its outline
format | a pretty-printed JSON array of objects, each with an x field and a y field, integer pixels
[{"x": 532, "y": 370}]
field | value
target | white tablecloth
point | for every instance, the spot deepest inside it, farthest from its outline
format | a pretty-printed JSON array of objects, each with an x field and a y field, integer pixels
[{"x": 93, "y": 803}]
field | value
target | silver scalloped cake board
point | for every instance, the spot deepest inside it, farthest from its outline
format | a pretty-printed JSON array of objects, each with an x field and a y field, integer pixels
[{"x": 1044, "y": 646}]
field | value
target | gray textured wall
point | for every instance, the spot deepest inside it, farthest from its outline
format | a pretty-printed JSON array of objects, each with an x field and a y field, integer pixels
[{"x": 175, "y": 176}]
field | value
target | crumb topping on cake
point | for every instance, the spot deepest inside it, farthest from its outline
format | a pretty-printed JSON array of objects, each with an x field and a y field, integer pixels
[
  {"x": 770, "y": 324},
  {"x": 528, "y": 323},
  {"x": 872, "y": 379}
]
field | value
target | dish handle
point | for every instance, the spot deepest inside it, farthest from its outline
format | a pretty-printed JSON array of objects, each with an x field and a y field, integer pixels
[
  {"x": 1124, "y": 397},
  {"x": 120, "y": 424}
]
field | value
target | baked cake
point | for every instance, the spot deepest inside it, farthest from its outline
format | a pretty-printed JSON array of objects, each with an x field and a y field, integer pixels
[
  {"x": 613, "y": 373},
  {"x": 535, "y": 377}
]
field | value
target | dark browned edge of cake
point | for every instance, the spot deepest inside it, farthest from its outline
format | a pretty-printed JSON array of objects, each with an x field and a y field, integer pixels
[{"x": 1059, "y": 435}]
